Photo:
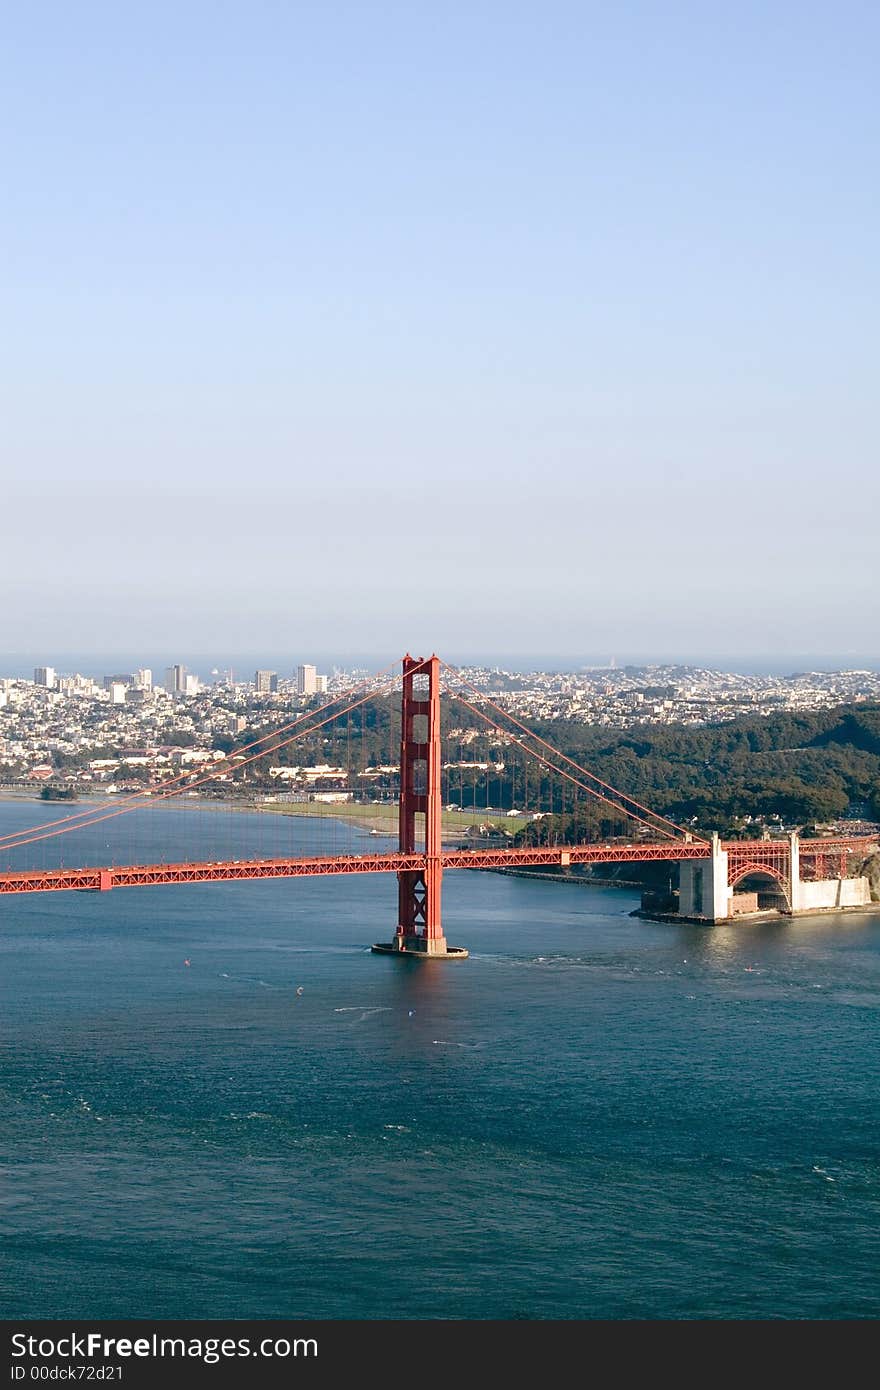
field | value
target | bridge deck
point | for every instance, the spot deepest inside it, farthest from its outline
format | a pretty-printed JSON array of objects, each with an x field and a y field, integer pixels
[{"x": 229, "y": 870}]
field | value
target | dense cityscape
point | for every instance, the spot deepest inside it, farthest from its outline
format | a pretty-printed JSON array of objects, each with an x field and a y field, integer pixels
[{"x": 111, "y": 729}]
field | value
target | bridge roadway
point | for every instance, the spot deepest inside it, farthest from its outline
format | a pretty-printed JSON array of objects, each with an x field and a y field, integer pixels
[{"x": 755, "y": 853}]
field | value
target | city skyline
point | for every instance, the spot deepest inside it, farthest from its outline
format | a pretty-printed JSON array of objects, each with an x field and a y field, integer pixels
[
  {"x": 85, "y": 731},
  {"x": 243, "y": 666}
]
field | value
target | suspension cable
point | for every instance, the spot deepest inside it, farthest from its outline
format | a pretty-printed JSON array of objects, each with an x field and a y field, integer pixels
[
  {"x": 129, "y": 802},
  {"x": 678, "y": 829},
  {"x": 199, "y": 781}
]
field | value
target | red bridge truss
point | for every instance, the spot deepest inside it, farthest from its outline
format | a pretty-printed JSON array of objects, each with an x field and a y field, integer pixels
[{"x": 746, "y": 857}]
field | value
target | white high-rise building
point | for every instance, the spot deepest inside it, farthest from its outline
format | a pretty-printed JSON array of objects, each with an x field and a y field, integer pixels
[
  {"x": 45, "y": 675},
  {"x": 306, "y": 680},
  {"x": 266, "y": 682},
  {"x": 117, "y": 693},
  {"x": 321, "y": 685},
  {"x": 144, "y": 678}
]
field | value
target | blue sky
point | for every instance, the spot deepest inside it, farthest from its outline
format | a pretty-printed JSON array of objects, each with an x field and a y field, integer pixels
[{"x": 482, "y": 328}]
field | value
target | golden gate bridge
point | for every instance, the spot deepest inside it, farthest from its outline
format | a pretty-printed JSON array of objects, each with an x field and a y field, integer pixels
[{"x": 710, "y": 868}]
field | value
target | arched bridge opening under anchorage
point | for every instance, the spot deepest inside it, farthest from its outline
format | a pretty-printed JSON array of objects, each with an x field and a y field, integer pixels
[{"x": 718, "y": 880}]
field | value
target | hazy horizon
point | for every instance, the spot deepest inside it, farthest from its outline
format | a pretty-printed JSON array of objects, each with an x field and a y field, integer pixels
[{"x": 243, "y": 665}]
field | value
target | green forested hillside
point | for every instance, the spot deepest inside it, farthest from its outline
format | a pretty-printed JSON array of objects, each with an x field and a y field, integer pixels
[
  {"x": 805, "y": 767},
  {"x": 800, "y": 768}
]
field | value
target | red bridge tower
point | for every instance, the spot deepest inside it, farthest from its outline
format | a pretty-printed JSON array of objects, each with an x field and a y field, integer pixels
[{"x": 419, "y": 924}]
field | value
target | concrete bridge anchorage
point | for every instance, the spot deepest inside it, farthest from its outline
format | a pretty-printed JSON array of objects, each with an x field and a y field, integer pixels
[{"x": 772, "y": 869}]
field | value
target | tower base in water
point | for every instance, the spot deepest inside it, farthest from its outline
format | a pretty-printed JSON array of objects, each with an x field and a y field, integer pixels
[{"x": 420, "y": 948}]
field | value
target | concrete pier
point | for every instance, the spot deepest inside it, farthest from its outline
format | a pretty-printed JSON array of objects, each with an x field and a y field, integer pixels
[
  {"x": 832, "y": 894},
  {"x": 703, "y": 888},
  {"x": 794, "y": 874},
  {"x": 706, "y": 895},
  {"x": 420, "y": 948}
]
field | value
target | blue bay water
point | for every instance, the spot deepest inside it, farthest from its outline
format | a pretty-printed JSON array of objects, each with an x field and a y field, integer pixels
[{"x": 593, "y": 1116}]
